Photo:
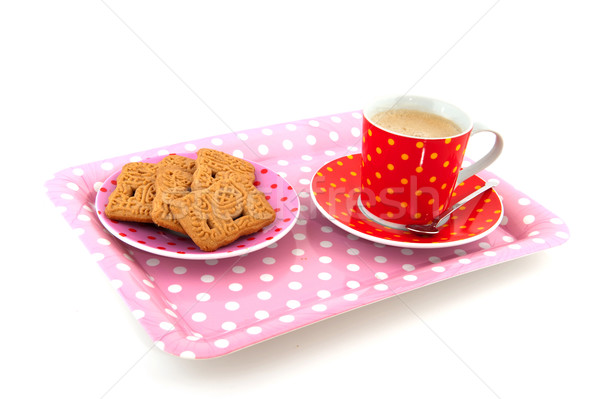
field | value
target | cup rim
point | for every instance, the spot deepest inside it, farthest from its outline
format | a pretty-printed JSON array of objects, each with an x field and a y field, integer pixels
[{"x": 441, "y": 108}]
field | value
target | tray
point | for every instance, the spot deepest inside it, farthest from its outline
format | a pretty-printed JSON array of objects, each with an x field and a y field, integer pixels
[{"x": 208, "y": 308}]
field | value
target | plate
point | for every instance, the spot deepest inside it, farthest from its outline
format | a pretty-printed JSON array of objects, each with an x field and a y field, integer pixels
[
  {"x": 471, "y": 222},
  {"x": 157, "y": 240}
]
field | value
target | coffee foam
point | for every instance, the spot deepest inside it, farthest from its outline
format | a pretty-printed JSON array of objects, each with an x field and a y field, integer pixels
[{"x": 416, "y": 123}]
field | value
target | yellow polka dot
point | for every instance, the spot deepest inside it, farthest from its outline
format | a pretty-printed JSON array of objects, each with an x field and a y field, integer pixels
[
  {"x": 390, "y": 191},
  {"x": 444, "y": 186},
  {"x": 417, "y": 215},
  {"x": 419, "y": 144},
  {"x": 340, "y": 163},
  {"x": 354, "y": 173},
  {"x": 458, "y": 147},
  {"x": 403, "y": 204},
  {"x": 378, "y": 150},
  {"x": 404, "y": 181},
  {"x": 378, "y": 175},
  {"x": 418, "y": 193},
  {"x": 432, "y": 179},
  {"x": 419, "y": 169},
  {"x": 447, "y": 141},
  {"x": 434, "y": 155},
  {"x": 390, "y": 214},
  {"x": 369, "y": 132},
  {"x": 390, "y": 166},
  {"x": 431, "y": 201},
  {"x": 369, "y": 157},
  {"x": 404, "y": 156},
  {"x": 391, "y": 141},
  {"x": 368, "y": 181},
  {"x": 445, "y": 165}
]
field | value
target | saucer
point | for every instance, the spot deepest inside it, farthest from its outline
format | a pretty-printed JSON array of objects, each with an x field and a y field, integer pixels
[
  {"x": 157, "y": 240},
  {"x": 335, "y": 189}
]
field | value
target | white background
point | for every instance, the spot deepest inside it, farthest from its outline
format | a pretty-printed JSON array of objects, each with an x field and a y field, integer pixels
[{"x": 87, "y": 80}]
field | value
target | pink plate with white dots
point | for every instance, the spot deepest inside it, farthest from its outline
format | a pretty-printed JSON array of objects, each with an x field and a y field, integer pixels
[
  {"x": 154, "y": 239},
  {"x": 336, "y": 187}
]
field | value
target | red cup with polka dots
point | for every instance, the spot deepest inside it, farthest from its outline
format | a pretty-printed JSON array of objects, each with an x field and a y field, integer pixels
[{"x": 411, "y": 180}]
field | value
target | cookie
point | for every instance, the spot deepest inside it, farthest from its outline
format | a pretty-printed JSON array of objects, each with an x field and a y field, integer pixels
[
  {"x": 212, "y": 165},
  {"x": 172, "y": 182},
  {"x": 229, "y": 208},
  {"x": 132, "y": 199}
]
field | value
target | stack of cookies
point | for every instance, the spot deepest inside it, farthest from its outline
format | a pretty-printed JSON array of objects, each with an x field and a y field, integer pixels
[{"x": 211, "y": 199}]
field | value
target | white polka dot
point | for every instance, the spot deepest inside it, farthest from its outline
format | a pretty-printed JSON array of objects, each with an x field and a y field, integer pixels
[
  {"x": 288, "y": 318},
  {"x": 138, "y": 313},
  {"x": 263, "y": 149},
  {"x": 326, "y": 244},
  {"x": 323, "y": 294},
  {"x": 266, "y": 277},
  {"x": 350, "y": 297},
  {"x": 283, "y": 162},
  {"x": 352, "y": 251},
  {"x": 408, "y": 267},
  {"x": 78, "y": 172},
  {"x": 334, "y": 136},
  {"x": 175, "y": 288},
  {"x": 287, "y": 144},
  {"x": 381, "y": 287},
  {"x": 152, "y": 262},
  {"x": 324, "y": 276},
  {"x": 528, "y": 219},
  {"x": 381, "y": 275},
  {"x": 556, "y": 221},
  {"x": 238, "y": 153},
  {"x": 238, "y": 269},
  {"x": 267, "y": 131},
  {"x": 235, "y": 287},
  {"x": 107, "y": 166},
  {"x": 380, "y": 259},
  {"x": 296, "y": 268},
  {"x": 325, "y": 259},
  {"x": 295, "y": 285},
  {"x": 228, "y": 326},
  {"x": 352, "y": 284},
  {"x": 524, "y": 201},
  {"x": 217, "y": 141},
  {"x": 353, "y": 267},
  {"x": 434, "y": 259},
  {"x": 116, "y": 284},
  {"x": 199, "y": 317},
  {"x": 179, "y": 270},
  {"x": 355, "y": 132},
  {"x": 297, "y": 252},
  {"x": 124, "y": 267},
  {"x": 291, "y": 127},
  {"x": 410, "y": 277},
  {"x": 187, "y": 355},
  {"x": 203, "y": 297},
  {"x": 254, "y": 330},
  {"x": 207, "y": 278},
  {"x": 268, "y": 260},
  {"x": 293, "y": 304},
  {"x": 165, "y": 325},
  {"x": 264, "y": 295},
  {"x": 261, "y": 314},
  {"x": 438, "y": 269},
  {"x": 144, "y": 296},
  {"x": 319, "y": 307},
  {"x": 311, "y": 140},
  {"x": 222, "y": 343}
]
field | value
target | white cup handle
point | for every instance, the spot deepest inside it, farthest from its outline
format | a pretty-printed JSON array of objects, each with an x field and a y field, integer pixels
[{"x": 486, "y": 160}]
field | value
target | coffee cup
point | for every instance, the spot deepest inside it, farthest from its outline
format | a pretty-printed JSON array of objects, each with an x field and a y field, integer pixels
[{"x": 412, "y": 151}]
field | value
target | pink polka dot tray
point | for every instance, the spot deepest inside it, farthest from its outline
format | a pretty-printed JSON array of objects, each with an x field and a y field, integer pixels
[
  {"x": 148, "y": 237},
  {"x": 196, "y": 307}
]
